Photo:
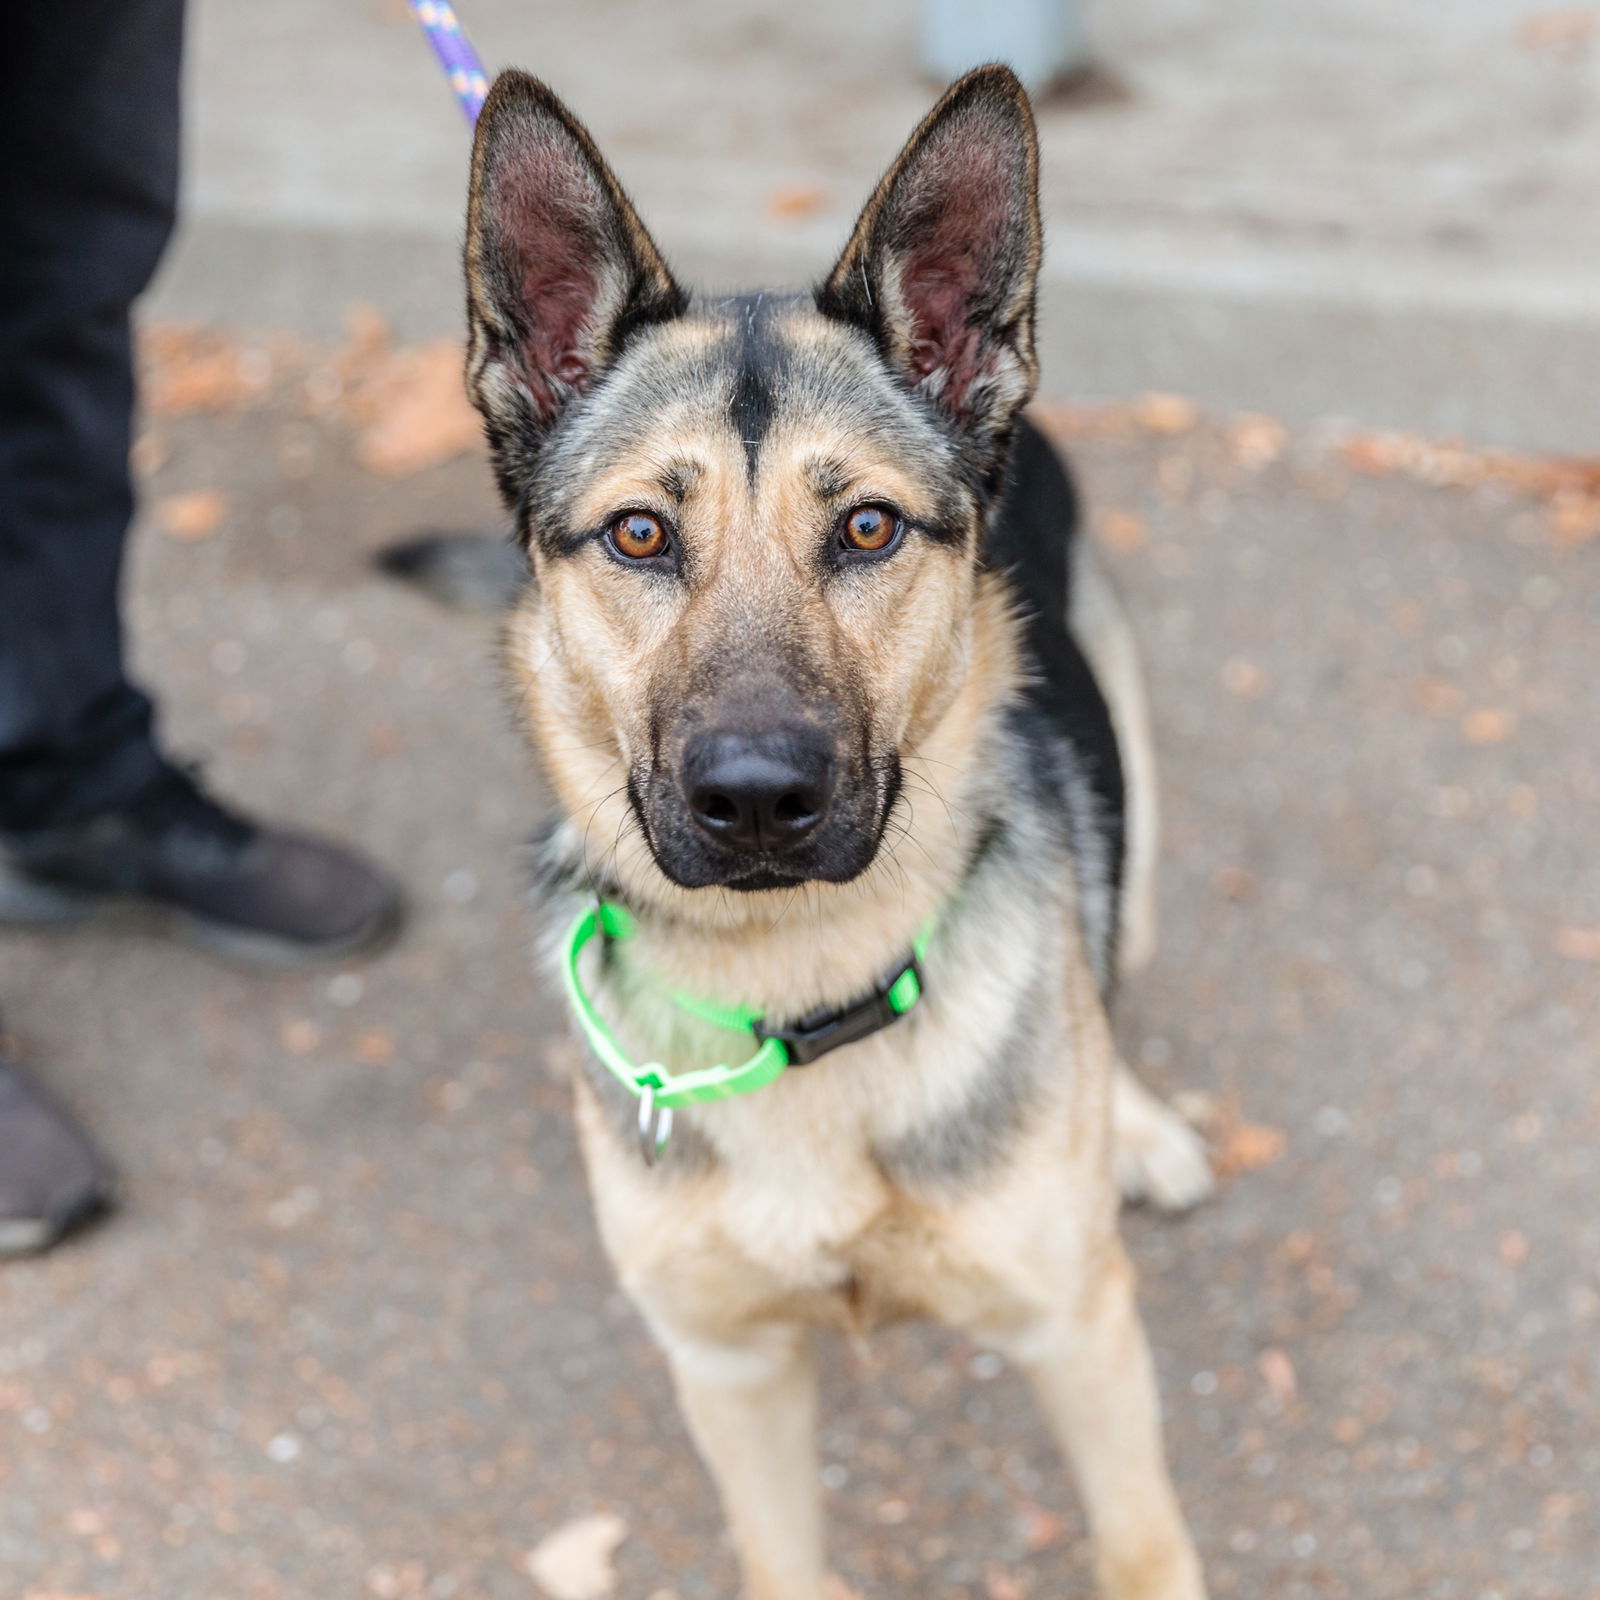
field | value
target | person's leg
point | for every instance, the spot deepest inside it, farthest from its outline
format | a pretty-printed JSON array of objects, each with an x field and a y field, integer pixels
[
  {"x": 89, "y": 809},
  {"x": 51, "y": 1179},
  {"x": 88, "y": 194},
  {"x": 88, "y": 187}
]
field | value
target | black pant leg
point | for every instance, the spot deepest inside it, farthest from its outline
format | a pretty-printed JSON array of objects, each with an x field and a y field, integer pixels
[{"x": 88, "y": 197}]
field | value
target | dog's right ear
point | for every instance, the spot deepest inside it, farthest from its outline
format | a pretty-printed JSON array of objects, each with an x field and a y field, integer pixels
[
  {"x": 942, "y": 267},
  {"x": 559, "y": 267}
]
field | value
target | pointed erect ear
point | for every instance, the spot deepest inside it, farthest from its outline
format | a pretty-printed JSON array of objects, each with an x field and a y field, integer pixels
[
  {"x": 942, "y": 266},
  {"x": 559, "y": 267}
]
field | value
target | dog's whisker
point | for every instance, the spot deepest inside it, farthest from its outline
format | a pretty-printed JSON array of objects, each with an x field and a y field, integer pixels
[
  {"x": 593, "y": 813},
  {"x": 949, "y": 810}
]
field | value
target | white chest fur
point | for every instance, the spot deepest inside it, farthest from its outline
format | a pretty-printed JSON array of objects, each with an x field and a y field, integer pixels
[{"x": 801, "y": 1179}]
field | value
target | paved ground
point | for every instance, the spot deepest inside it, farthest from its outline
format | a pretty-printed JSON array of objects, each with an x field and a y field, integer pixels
[
  {"x": 351, "y": 1334},
  {"x": 1381, "y": 209}
]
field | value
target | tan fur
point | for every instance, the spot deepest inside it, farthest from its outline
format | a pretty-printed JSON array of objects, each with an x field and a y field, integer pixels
[
  {"x": 934, "y": 644},
  {"x": 815, "y": 1202},
  {"x": 1158, "y": 1156},
  {"x": 797, "y": 1226}
]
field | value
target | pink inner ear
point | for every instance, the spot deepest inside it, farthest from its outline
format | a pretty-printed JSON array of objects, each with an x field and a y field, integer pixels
[
  {"x": 553, "y": 239},
  {"x": 963, "y": 207},
  {"x": 939, "y": 296},
  {"x": 558, "y": 302}
]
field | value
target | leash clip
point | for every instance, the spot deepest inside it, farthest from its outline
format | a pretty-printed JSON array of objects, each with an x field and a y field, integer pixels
[{"x": 655, "y": 1125}]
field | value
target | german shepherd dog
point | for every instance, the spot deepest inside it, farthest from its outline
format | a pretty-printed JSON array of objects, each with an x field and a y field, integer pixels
[{"x": 814, "y": 662}]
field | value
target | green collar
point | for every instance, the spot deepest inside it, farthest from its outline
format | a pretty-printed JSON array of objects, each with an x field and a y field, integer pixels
[{"x": 660, "y": 1090}]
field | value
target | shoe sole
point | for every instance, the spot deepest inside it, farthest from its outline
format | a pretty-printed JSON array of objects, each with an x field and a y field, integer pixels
[
  {"x": 27, "y": 1236},
  {"x": 26, "y": 903}
]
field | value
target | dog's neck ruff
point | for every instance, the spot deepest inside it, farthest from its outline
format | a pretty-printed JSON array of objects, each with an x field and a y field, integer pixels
[{"x": 660, "y": 1090}]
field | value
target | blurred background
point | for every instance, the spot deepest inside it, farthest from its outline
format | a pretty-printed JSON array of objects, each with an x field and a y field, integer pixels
[
  {"x": 1373, "y": 208},
  {"x": 1321, "y": 332}
]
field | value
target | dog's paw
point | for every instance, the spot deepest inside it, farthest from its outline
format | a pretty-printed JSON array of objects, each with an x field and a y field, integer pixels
[{"x": 1159, "y": 1159}]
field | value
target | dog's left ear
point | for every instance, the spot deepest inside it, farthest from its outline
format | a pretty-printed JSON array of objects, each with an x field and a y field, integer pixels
[
  {"x": 559, "y": 267},
  {"x": 944, "y": 261}
]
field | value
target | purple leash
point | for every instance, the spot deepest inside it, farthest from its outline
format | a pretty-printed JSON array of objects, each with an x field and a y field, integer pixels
[{"x": 456, "y": 55}]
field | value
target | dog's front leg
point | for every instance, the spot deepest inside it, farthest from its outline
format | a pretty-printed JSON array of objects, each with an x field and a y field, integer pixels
[
  {"x": 1090, "y": 1365},
  {"x": 751, "y": 1403}
]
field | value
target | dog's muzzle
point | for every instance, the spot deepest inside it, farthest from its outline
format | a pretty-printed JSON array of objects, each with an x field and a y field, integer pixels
[{"x": 762, "y": 807}]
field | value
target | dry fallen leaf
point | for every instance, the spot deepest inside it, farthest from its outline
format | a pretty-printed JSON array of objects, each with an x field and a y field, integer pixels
[
  {"x": 1548, "y": 30},
  {"x": 1299, "y": 1247},
  {"x": 1122, "y": 530},
  {"x": 1074, "y": 422},
  {"x": 1485, "y": 725},
  {"x": 1256, "y": 441},
  {"x": 1235, "y": 883},
  {"x": 374, "y": 1046},
  {"x": 1040, "y": 1528},
  {"x": 300, "y": 1036},
  {"x": 150, "y": 453},
  {"x": 1278, "y": 1370},
  {"x": 397, "y": 1583},
  {"x": 1165, "y": 413},
  {"x": 1438, "y": 696},
  {"x": 417, "y": 412},
  {"x": 193, "y": 516},
  {"x": 1513, "y": 1247},
  {"x": 187, "y": 369},
  {"x": 384, "y": 739},
  {"x": 1573, "y": 480},
  {"x": 1244, "y": 678},
  {"x": 1574, "y": 518},
  {"x": 574, "y": 1562},
  {"x": 501, "y": 1046},
  {"x": 1579, "y": 944},
  {"x": 795, "y": 200},
  {"x": 1246, "y": 1146},
  {"x": 998, "y": 1584},
  {"x": 1561, "y": 1507},
  {"x": 1372, "y": 453},
  {"x": 367, "y": 328},
  {"x": 336, "y": 382}
]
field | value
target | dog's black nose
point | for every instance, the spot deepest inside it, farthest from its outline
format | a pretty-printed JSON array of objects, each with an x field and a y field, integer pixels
[{"x": 758, "y": 791}]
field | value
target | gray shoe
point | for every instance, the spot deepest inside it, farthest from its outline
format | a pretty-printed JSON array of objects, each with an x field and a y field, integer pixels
[
  {"x": 261, "y": 895},
  {"x": 51, "y": 1179}
]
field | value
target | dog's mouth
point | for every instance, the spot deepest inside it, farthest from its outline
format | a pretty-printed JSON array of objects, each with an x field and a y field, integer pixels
[
  {"x": 759, "y": 879},
  {"x": 711, "y": 846}
]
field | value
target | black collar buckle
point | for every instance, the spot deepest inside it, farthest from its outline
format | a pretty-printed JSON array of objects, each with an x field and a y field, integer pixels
[{"x": 827, "y": 1028}]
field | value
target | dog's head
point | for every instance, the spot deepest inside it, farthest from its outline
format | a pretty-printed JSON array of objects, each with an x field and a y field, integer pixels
[{"x": 754, "y": 523}]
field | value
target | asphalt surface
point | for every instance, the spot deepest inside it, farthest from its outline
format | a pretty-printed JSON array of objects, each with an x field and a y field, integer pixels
[
  {"x": 1381, "y": 209},
  {"x": 351, "y": 1333}
]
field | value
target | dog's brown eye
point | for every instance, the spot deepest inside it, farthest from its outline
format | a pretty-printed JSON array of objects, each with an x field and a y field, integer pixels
[
  {"x": 638, "y": 536},
  {"x": 870, "y": 528}
]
